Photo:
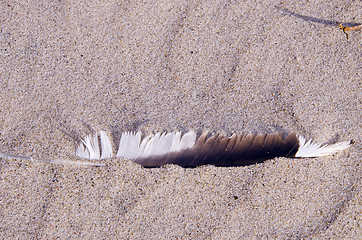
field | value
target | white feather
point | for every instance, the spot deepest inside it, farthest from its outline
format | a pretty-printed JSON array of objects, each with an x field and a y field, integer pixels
[
  {"x": 166, "y": 141},
  {"x": 151, "y": 145},
  {"x": 82, "y": 151},
  {"x": 92, "y": 146},
  {"x": 132, "y": 147},
  {"x": 154, "y": 146},
  {"x": 129, "y": 145},
  {"x": 123, "y": 145},
  {"x": 176, "y": 142},
  {"x": 106, "y": 145},
  {"x": 311, "y": 149},
  {"x": 143, "y": 146},
  {"x": 188, "y": 140}
]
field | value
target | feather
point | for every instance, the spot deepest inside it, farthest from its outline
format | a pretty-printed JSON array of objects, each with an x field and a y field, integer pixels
[
  {"x": 190, "y": 151},
  {"x": 312, "y": 149},
  {"x": 132, "y": 147},
  {"x": 82, "y": 151},
  {"x": 129, "y": 145},
  {"x": 106, "y": 145},
  {"x": 89, "y": 147}
]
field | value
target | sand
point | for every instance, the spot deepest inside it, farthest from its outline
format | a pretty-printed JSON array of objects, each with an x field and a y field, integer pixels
[{"x": 71, "y": 67}]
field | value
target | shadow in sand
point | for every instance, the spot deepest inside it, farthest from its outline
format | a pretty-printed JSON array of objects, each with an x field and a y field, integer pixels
[
  {"x": 344, "y": 26},
  {"x": 317, "y": 20}
]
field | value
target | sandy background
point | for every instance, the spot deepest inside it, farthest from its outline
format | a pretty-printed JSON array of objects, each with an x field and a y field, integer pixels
[{"x": 225, "y": 66}]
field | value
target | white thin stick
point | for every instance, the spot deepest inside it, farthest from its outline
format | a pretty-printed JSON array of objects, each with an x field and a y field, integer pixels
[{"x": 48, "y": 161}]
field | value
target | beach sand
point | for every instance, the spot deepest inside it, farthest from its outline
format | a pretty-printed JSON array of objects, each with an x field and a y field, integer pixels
[{"x": 69, "y": 68}]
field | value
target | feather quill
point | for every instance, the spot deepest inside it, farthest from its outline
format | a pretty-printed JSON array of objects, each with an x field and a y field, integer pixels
[{"x": 48, "y": 161}]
